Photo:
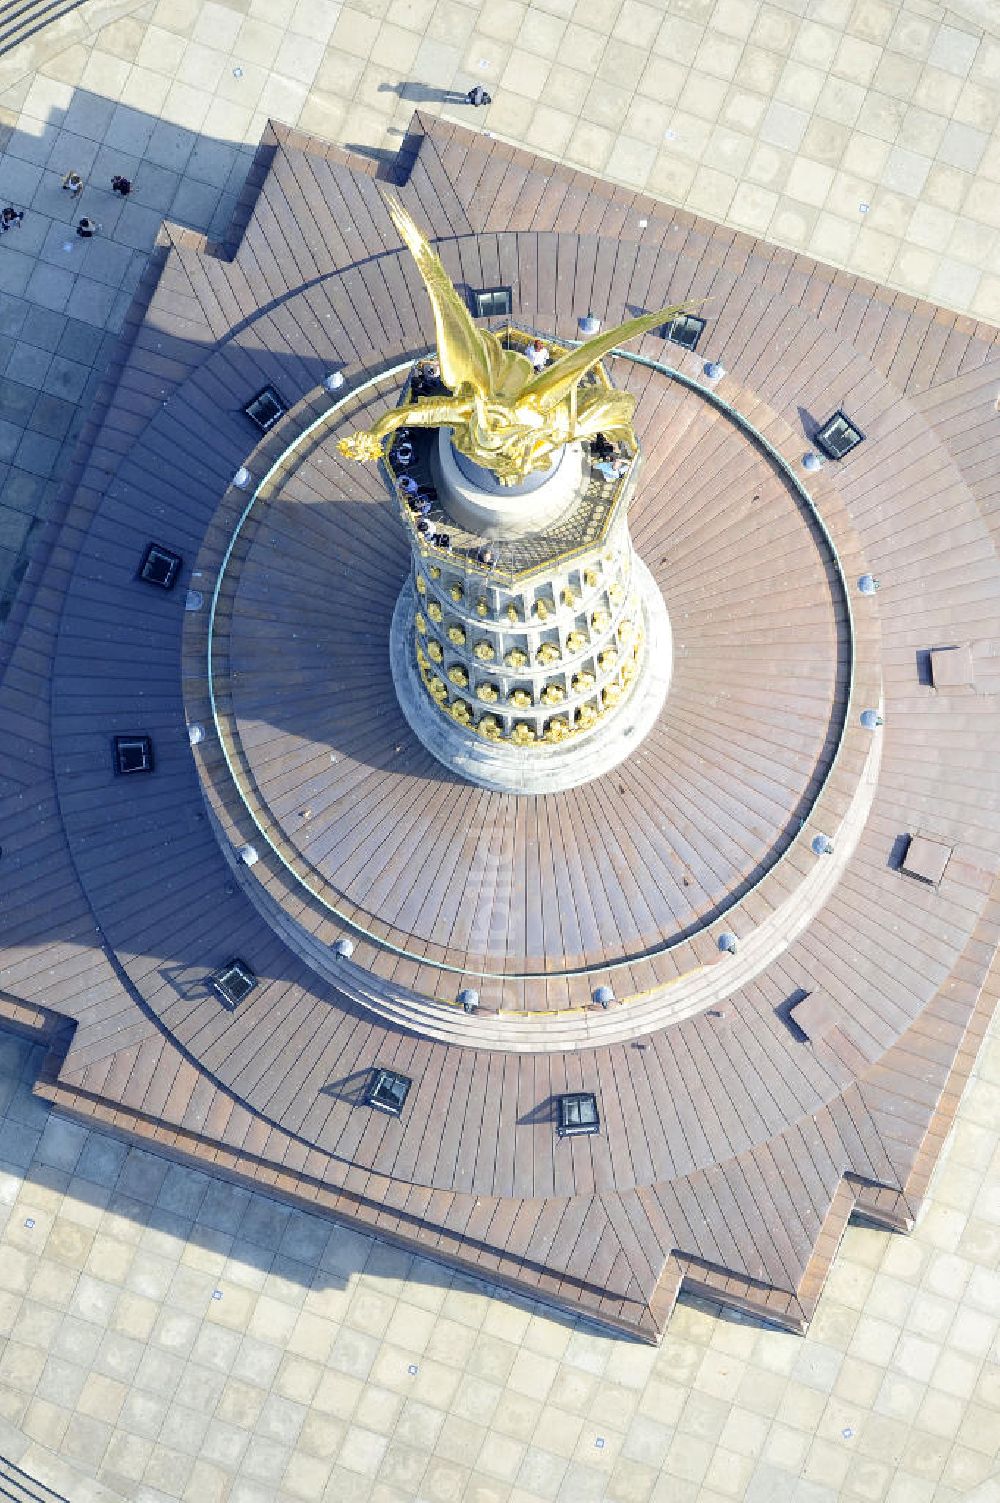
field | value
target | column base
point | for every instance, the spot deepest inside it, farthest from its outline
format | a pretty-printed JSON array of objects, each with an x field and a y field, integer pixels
[{"x": 538, "y": 768}]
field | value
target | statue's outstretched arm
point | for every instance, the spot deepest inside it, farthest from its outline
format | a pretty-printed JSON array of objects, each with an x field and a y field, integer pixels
[
  {"x": 367, "y": 443},
  {"x": 607, "y": 412},
  {"x": 556, "y": 381}
]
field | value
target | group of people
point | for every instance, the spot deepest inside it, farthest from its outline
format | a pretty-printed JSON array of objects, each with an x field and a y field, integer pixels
[
  {"x": 607, "y": 461},
  {"x": 420, "y": 499},
  {"x": 73, "y": 184}
]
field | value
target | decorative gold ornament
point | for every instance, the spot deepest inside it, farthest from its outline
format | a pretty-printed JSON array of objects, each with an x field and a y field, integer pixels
[
  {"x": 548, "y": 653},
  {"x": 456, "y": 636},
  {"x": 516, "y": 658},
  {"x": 490, "y": 727},
  {"x": 543, "y": 609},
  {"x": 434, "y": 571},
  {"x": 616, "y": 594},
  {"x": 456, "y": 592},
  {"x": 582, "y": 682},
  {"x": 512, "y": 612},
  {"x": 522, "y": 734},
  {"x": 420, "y": 622},
  {"x": 482, "y": 607},
  {"x": 608, "y": 659},
  {"x": 590, "y": 578},
  {"x": 611, "y": 695},
  {"x": 459, "y": 676},
  {"x": 434, "y": 610},
  {"x": 460, "y": 711},
  {"x": 586, "y": 716},
  {"x": 553, "y": 694},
  {"x": 421, "y": 585},
  {"x": 576, "y": 641},
  {"x": 521, "y": 699},
  {"x": 558, "y": 729},
  {"x": 438, "y": 689},
  {"x": 421, "y": 659},
  {"x": 503, "y": 414},
  {"x": 626, "y": 632},
  {"x": 435, "y": 652},
  {"x": 489, "y": 693},
  {"x": 484, "y": 651},
  {"x": 600, "y": 620},
  {"x": 568, "y": 598}
]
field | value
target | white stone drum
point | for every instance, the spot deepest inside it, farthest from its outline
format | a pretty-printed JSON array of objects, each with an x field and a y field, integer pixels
[{"x": 475, "y": 499}]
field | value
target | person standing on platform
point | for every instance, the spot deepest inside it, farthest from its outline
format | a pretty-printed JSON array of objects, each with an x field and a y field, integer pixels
[
  {"x": 478, "y": 96},
  {"x": 538, "y": 355},
  {"x": 612, "y": 469}
]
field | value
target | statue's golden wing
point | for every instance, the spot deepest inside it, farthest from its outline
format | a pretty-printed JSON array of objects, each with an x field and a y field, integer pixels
[
  {"x": 556, "y": 381},
  {"x": 468, "y": 355}
]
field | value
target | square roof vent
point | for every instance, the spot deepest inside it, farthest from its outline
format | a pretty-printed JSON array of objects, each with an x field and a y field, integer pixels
[
  {"x": 815, "y": 1016},
  {"x": 838, "y": 436},
  {"x": 578, "y": 1114},
  {"x": 951, "y": 667},
  {"x": 265, "y": 408},
  {"x": 160, "y": 567},
  {"x": 492, "y": 302},
  {"x": 685, "y": 330},
  {"x": 926, "y": 858},
  {"x": 233, "y": 982},
  {"x": 132, "y": 754},
  {"x": 387, "y": 1091}
]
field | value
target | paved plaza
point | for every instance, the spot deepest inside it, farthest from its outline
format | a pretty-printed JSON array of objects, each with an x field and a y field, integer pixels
[{"x": 165, "y": 1335}]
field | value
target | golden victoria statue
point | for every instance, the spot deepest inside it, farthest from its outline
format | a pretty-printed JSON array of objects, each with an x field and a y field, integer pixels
[{"x": 504, "y": 415}]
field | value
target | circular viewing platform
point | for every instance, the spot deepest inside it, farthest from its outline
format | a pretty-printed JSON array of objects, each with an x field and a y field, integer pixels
[{"x": 536, "y": 904}]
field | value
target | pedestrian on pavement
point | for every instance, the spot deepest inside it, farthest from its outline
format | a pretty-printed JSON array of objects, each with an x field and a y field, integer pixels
[
  {"x": 478, "y": 96},
  {"x": 121, "y": 185},
  {"x": 73, "y": 184},
  {"x": 10, "y": 219},
  {"x": 87, "y": 229}
]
